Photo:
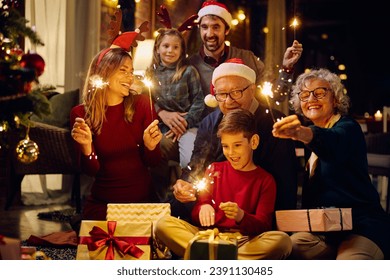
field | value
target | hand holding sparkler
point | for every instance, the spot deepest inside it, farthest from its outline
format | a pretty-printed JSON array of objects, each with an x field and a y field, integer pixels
[
  {"x": 232, "y": 210},
  {"x": 152, "y": 136},
  {"x": 291, "y": 127},
  {"x": 82, "y": 134},
  {"x": 292, "y": 55},
  {"x": 184, "y": 191}
]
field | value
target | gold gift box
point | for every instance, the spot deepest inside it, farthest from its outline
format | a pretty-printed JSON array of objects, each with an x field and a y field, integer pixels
[
  {"x": 314, "y": 220},
  {"x": 138, "y": 234},
  {"x": 9, "y": 248}
]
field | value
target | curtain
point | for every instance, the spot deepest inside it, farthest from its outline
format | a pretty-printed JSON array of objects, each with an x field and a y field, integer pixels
[
  {"x": 275, "y": 43},
  {"x": 70, "y": 30}
]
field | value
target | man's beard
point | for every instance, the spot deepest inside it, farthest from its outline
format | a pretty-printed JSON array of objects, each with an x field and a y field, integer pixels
[{"x": 212, "y": 46}]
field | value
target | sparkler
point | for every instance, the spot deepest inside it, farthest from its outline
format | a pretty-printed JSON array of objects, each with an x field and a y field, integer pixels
[
  {"x": 294, "y": 24},
  {"x": 266, "y": 90},
  {"x": 96, "y": 83},
  {"x": 201, "y": 185},
  {"x": 149, "y": 84}
]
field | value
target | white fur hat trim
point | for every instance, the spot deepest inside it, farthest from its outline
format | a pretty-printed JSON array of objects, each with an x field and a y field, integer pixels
[
  {"x": 217, "y": 11},
  {"x": 233, "y": 69}
]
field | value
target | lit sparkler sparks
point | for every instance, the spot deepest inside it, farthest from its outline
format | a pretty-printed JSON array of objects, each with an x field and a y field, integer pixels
[
  {"x": 294, "y": 25},
  {"x": 149, "y": 84},
  {"x": 96, "y": 83},
  {"x": 266, "y": 90}
]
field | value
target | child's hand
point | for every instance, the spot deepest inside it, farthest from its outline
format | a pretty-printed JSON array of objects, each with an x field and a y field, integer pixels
[
  {"x": 206, "y": 215},
  {"x": 152, "y": 136},
  {"x": 175, "y": 121},
  {"x": 232, "y": 211}
]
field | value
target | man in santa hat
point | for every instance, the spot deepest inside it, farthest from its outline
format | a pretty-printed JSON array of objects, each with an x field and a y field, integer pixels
[
  {"x": 214, "y": 25},
  {"x": 233, "y": 87}
]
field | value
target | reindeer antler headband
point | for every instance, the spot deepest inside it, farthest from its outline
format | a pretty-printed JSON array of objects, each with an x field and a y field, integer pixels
[
  {"x": 125, "y": 40},
  {"x": 188, "y": 24}
]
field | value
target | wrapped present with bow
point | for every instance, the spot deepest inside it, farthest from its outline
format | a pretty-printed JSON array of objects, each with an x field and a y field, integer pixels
[
  {"x": 213, "y": 245},
  {"x": 9, "y": 248},
  {"x": 112, "y": 240},
  {"x": 314, "y": 220},
  {"x": 142, "y": 212}
]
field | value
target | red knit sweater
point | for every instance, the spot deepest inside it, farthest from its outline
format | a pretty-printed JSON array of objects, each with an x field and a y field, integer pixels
[
  {"x": 121, "y": 168},
  {"x": 254, "y": 192}
]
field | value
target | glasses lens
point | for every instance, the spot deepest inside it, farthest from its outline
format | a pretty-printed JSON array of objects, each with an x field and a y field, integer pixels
[
  {"x": 221, "y": 97},
  {"x": 319, "y": 92},
  {"x": 237, "y": 94},
  {"x": 304, "y": 95}
]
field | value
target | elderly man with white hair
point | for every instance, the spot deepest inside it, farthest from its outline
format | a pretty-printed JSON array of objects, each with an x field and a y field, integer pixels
[{"x": 234, "y": 87}]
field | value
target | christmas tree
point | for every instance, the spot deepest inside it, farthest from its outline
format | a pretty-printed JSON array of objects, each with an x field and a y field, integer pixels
[{"x": 21, "y": 95}]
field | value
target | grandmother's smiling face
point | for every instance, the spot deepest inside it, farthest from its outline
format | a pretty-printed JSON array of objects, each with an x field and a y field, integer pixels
[{"x": 318, "y": 110}]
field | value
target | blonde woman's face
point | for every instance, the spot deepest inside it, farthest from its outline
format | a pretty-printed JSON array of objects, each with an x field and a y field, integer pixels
[{"x": 120, "y": 82}]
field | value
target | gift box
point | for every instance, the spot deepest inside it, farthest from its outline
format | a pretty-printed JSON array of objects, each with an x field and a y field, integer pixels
[
  {"x": 314, "y": 220},
  {"x": 9, "y": 248},
  {"x": 114, "y": 240},
  {"x": 142, "y": 212},
  {"x": 213, "y": 245},
  {"x": 137, "y": 212}
]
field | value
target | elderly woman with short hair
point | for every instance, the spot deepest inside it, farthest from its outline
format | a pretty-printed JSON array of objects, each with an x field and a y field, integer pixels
[{"x": 337, "y": 174}]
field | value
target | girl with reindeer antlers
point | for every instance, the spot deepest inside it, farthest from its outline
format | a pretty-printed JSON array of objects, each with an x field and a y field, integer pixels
[
  {"x": 115, "y": 130},
  {"x": 177, "y": 92}
]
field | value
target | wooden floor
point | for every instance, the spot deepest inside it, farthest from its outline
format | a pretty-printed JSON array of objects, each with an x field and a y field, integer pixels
[{"x": 22, "y": 221}]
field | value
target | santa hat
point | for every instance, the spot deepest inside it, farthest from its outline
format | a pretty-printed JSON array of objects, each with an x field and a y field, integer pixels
[
  {"x": 231, "y": 67},
  {"x": 217, "y": 9},
  {"x": 234, "y": 67}
]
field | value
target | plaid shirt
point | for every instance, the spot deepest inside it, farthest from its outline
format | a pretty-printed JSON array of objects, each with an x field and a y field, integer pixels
[{"x": 182, "y": 96}]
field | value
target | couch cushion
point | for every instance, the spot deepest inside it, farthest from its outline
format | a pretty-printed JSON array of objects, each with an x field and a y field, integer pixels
[{"x": 61, "y": 105}]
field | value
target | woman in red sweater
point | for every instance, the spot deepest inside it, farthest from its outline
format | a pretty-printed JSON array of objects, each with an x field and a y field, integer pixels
[{"x": 117, "y": 134}]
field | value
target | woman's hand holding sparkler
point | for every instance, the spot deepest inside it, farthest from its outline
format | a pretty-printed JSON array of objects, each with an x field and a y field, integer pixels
[
  {"x": 292, "y": 55},
  {"x": 82, "y": 134},
  {"x": 184, "y": 191},
  {"x": 206, "y": 215},
  {"x": 152, "y": 136},
  {"x": 232, "y": 211},
  {"x": 291, "y": 127}
]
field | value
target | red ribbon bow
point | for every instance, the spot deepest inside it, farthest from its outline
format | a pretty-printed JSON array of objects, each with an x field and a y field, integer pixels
[
  {"x": 99, "y": 238},
  {"x": 2, "y": 242}
]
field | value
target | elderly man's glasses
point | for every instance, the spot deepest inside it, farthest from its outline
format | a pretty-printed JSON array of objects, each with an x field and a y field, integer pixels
[
  {"x": 318, "y": 93},
  {"x": 234, "y": 94}
]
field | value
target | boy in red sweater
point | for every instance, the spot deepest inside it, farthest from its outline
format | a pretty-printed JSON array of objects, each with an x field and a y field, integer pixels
[{"x": 238, "y": 196}]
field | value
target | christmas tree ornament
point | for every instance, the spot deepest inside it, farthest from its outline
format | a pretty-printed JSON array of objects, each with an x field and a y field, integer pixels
[
  {"x": 27, "y": 151},
  {"x": 33, "y": 61}
]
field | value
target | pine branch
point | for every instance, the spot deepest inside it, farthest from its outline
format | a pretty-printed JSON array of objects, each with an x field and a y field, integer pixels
[{"x": 13, "y": 26}]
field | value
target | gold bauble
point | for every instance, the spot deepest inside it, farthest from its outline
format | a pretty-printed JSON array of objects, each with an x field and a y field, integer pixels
[{"x": 27, "y": 151}]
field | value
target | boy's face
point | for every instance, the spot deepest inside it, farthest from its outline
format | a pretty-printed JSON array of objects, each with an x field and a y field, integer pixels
[{"x": 238, "y": 150}]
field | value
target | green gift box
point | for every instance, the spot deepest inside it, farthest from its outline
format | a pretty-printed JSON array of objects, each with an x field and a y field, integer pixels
[{"x": 213, "y": 245}]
